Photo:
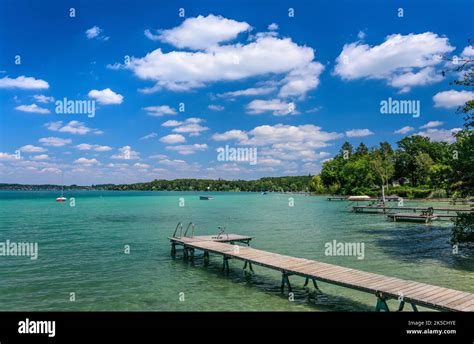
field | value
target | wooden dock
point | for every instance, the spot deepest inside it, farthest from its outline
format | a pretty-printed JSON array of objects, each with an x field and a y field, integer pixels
[
  {"x": 378, "y": 208},
  {"x": 337, "y": 198},
  {"x": 383, "y": 287},
  {"x": 426, "y": 218}
]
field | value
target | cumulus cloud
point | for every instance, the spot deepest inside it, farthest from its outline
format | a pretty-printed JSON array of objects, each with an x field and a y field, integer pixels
[
  {"x": 468, "y": 51},
  {"x": 276, "y": 106},
  {"x": 403, "y": 61},
  {"x": 141, "y": 166},
  {"x": 23, "y": 82},
  {"x": 273, "y": 27},
  {"x": 54, "y": 141},
  {"x": 432, "y": 124},
  {"x": 188, "y": 149},
  {"x": 215, "y": 61},
  {"x": 445, "y": 135},
  {"x": 231, "y": 135},
  {"x": 173, "y": 138},
  {"x": 189, "y": 126},
  {"x": 160, "y": 110},
  {"x": 40, "y": 157},
  {"x": 73, "y": 127},
  {"x": 126, "y": 153},
  {"x": 97, "y": 148},
  {"x": 32, "y": 149},
  {"x": 33, "y": 108},
  {"x": 200, "y": 32},
  {"x": 404, "y": 130},
  {"x": 283, "y": 142},
  {"x": 95, "y": 32},
  {"x": 7, "y": 156},
  {"x": 358, "y": 133},
  {"x": 86, "y": 162},
  {"x": 452, "y": 99},
  {"x": 40, "y": 98},
  {"x": 106, "y": 96}
]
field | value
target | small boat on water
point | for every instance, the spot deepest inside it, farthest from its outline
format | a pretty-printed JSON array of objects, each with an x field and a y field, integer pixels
[
  {"x": 205, "y": 198},
  {"x": 358, "y": 198},
  {"x": 264, "y": 193},
  {"x": 61, "y": 198}
]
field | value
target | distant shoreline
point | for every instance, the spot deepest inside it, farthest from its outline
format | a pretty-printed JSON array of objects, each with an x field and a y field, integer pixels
[{"x": 85, "y": 188}]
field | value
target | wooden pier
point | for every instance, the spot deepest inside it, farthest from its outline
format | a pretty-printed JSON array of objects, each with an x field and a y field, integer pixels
[
  {"x": 337, "y": 198},
  {"x": 383, "y": 287},
  {"x": 378, "y": 208},
  {"x": 426, "y": 218}
]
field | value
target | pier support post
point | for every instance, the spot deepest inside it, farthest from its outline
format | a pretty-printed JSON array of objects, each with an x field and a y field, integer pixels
[
  {"x": 381, "y": 304},
  {"x": 185, "y": 252},
  {"x": 413, "y": 306},
  {"x": 191, "y": 255},
  {"x": 225, "y": 264},
  {"x": 285, "y": 280},
  {"x": 206, "y": 258},
  {"x": 173, "y": 249},
  {"x": 315, "y": 284},
  {"x": 249, "y": 265}
]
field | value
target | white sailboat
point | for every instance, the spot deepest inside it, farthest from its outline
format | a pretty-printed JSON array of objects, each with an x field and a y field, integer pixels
[{"x": 62, "y": 198}]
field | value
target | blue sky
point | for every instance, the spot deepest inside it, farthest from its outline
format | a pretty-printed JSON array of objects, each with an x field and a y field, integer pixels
[{"x": 249, "y": 76}]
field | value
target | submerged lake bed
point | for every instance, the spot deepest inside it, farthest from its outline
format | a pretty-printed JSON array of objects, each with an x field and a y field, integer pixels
[{"x": 110, "y": 251}]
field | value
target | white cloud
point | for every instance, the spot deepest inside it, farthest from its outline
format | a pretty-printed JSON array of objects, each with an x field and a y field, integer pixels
[
  {"x": 432, "y": 124},
  {"x": 214, "y": 107},
  {"x": 97, "y": 148},
  {"x": 273, "y": 27},
  {"x": 33, "y": 108},
  {"x": 86, "y": 162},
  {"x": 7, "y": 156},
  {"x": 160, "y": 110},
  {"x": 106, "y": 96},
  {"x": 141, "y": 166},
  {"x": 183, "y": 70},
  {"x": 40, "y": 157},
  {"x": 188, "y": 149},
  {"x": 32, "y": 149},
  {"x": 201, "y": 32},
  {"x": 253, "y": 91},
  {"x": 361, "y": 35},
  {"x": 276, "y": 106},
  {"x": 299, "y": 81},
  {"x": 231, "y": 135},
  {"x": 190, "y": 126},
  {"x": 468, "y": 51},
  {"x": 402, "y": 61},
  {"x": 149, "y": 136},
  {"x": 284, "y": 142},
  {"x": 54, "y": 141},
  {"x": 126, "y": 153},
  {"x": 73, "y": 127},
  {"x": 96, "y": 32},
  {"x": 171, "y": 123},
  {"x": 452, "y": 98},
  {"x": 358, "y": 133},
  {"x": 445, "y": 135},
  {"x": 404, "y": 130},
  {"x": 173, "y": 138},
  {"x": 43, "y": 99},
  {"x": 23, "y": 82}
]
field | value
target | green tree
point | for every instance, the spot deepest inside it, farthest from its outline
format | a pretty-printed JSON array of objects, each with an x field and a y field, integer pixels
[{"x": 316, "y": 185}]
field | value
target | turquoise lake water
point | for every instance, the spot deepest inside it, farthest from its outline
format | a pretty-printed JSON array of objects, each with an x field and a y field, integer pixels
[{"x": 81, "y": 250}]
